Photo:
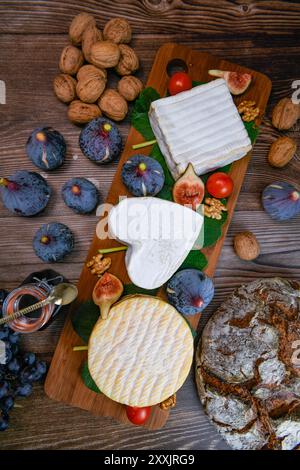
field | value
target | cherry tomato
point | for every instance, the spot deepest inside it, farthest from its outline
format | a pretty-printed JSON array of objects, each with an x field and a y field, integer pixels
[
  {"x": 219, "y": 185},
  {"x": 180, "y": 81},
  {"x": 138, "y": 415}
]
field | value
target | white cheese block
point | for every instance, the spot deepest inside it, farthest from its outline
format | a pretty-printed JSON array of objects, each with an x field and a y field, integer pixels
[
  {"x": 201, "y": 126},
  {"x": 159, "y": 235},
  {"x": 142, "y": 353}
]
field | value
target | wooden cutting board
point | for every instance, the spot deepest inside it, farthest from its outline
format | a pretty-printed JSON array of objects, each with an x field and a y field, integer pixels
[{"x": 64, "y": 382}]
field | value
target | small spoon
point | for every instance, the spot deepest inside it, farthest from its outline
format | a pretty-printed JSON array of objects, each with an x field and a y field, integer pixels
[{"x": 62, "y": 294}]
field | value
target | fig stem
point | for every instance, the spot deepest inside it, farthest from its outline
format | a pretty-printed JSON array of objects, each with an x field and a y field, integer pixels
[
  {"x": 80, "y": 348},
  {"x": 144, "y": 144},
  {"x": 103, "y": 251}
]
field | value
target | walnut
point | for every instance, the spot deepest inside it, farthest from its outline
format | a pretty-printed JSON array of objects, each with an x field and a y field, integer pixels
[
  {"x": 285, "y": 114},
  {"x": 282, "y": 151},
  {"x": 129, "y": 61},
  {"x": 79, "y": 25},
  {"x": 88, "y": 69},
  {"x": 65, "y": 87},
  {"x": 98, "y": 265},
  {"x": 91, "y": 35},
  {"x": 168, "y": 403},
  {"x": 130, "y": 87},
  {"x": 71, "y": 60},
  {"x": 80, "y": 112},
  {"x": 117, "y": 30},
  {"x": 213, "y": 208},
  {"x": 248, "y": 110},
  {"x": 246, "y": 246},
  {"x": 113, "y": 105},
  {"x": 105, "y": 54},
  {"x": 91, "y": 84}
]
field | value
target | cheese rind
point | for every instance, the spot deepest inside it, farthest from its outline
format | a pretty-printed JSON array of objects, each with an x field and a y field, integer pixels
[
  {"x": 142, "y": 353},
  {"x": 201, "y": 126},
  {"x": 159, "y": 235}
]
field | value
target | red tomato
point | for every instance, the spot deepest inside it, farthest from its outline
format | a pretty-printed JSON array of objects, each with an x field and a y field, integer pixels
[
  {"x": 180, "y": 81},
  {"x": 219, "y": 185},
  {"x": 138, "y": 415}
]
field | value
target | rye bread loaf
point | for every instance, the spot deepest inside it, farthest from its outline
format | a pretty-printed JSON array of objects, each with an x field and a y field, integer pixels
[{"x": 248, "y": 367}]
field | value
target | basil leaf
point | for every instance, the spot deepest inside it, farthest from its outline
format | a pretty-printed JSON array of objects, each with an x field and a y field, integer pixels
[
  {"x": 131, "y": 289},
  {"x": 195, "y": 259},
  {"x": 139, "y": 116},
  {"x": 85, "y": 318},
  {"x": 87, "y": 378}
]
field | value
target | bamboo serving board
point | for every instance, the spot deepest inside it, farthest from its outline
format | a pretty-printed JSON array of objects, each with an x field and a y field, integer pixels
[{"x": 64, "y": 382}]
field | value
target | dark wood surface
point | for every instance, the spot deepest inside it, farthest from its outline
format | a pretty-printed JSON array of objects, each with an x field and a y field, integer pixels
[{"x": 261, "y": 35}]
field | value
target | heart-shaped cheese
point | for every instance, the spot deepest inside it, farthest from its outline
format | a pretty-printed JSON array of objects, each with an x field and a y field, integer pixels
[{"x": 159, "y": 235}]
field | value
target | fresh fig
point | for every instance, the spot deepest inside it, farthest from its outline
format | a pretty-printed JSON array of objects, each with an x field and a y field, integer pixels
[
  {"x": 189, "y": 189},
  {"x": 106, "y": 292},
  {"x": 190, "y": 291},
  {"x": 237, "y": 82}
]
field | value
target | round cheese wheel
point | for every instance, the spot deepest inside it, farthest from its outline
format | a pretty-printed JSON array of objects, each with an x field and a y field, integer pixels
[{"x": 142, "y": 353}]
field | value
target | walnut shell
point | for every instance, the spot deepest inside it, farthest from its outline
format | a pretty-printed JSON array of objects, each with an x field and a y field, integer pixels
[
  {"x": 282, "y": 151},
  {"x": 246, "y": 245},
  {"x": 91, "y": 35},
  {"x": 88, "y": 69},
  {"x": 71, "y": 60},
  {"x": 91, "y": 84},
  {"x": 117, "y": 30},
  {"x": 79, "y": 25},
  {"x": 285, "y": 114},
  {"x": 130, "y": 87},
  {"x": 113, "y": 105},
  {"x": 105, "y": 54},
  {"x": 80, "y": 112},
  {"x": 65, "y": 87},
  {"x": 129, "y": 61}
]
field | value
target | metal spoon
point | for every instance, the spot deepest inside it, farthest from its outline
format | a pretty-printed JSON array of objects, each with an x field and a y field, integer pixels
[{"x": 62, "y": 294}]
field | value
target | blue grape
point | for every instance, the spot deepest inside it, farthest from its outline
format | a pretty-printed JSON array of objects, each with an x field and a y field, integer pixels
[
  {"x": 41, "y": 367},
  {"x": 8, "y": 352},
  {"x": 24, "y": 390},
  {"x": 4, "y": 389},
  {"x": 14, "y": 337},
  {"x": 3, "y": 422},
  {"x": 4, "y": 332},
  {"x": 7, "y": 403},
  {"x": 29, "y": 358},
  {"x": 14, "y": 366}
]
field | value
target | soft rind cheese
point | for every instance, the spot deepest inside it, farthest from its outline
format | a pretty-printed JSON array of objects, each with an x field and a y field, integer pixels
[
  {"x": 159, "y": 235},
  {"x": 201, "y": 126},
  {"x": 142, "y": 353}
]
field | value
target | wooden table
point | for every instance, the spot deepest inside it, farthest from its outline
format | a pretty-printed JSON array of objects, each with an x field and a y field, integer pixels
[{"x": 263, "y": 35}]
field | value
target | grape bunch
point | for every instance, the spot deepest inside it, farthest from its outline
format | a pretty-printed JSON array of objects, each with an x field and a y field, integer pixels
[{"x": 18, "y": 372}]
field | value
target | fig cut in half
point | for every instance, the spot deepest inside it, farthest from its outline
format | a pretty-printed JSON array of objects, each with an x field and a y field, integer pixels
[
  {"x": 237, "y": 82},
  {"x": 106, "y": 292},
  {"x": 189, "y": 189}
]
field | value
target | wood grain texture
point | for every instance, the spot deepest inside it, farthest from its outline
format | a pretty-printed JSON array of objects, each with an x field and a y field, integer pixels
[{"x": 32, "y": 35}]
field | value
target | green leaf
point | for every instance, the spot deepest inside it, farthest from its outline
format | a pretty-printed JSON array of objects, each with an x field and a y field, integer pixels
[
  {"x": 195, "y": 259},
  {"x": 158, "y": 156},
  {"x": 84, "y": 319},
  {"x": 252, "y": 130},
  {"x": 213, "y": 229},
  {"x": 139, "y": 116},
  {"x": 131, "y": 289},
  {"x": 87, "y": 378}
]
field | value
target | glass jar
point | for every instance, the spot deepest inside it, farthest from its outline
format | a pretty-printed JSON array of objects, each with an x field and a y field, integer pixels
[{"x": 22, "y": 297}]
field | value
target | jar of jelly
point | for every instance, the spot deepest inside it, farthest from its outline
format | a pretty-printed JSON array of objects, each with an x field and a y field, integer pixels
[{"x": 24, "y": 296}]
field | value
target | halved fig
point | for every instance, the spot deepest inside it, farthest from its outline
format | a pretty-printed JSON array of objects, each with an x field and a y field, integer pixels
[
  {"x": 189, "y": 189},
  {"x": 106, "y": 292},
  {"x": 237, "y": 82}
]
